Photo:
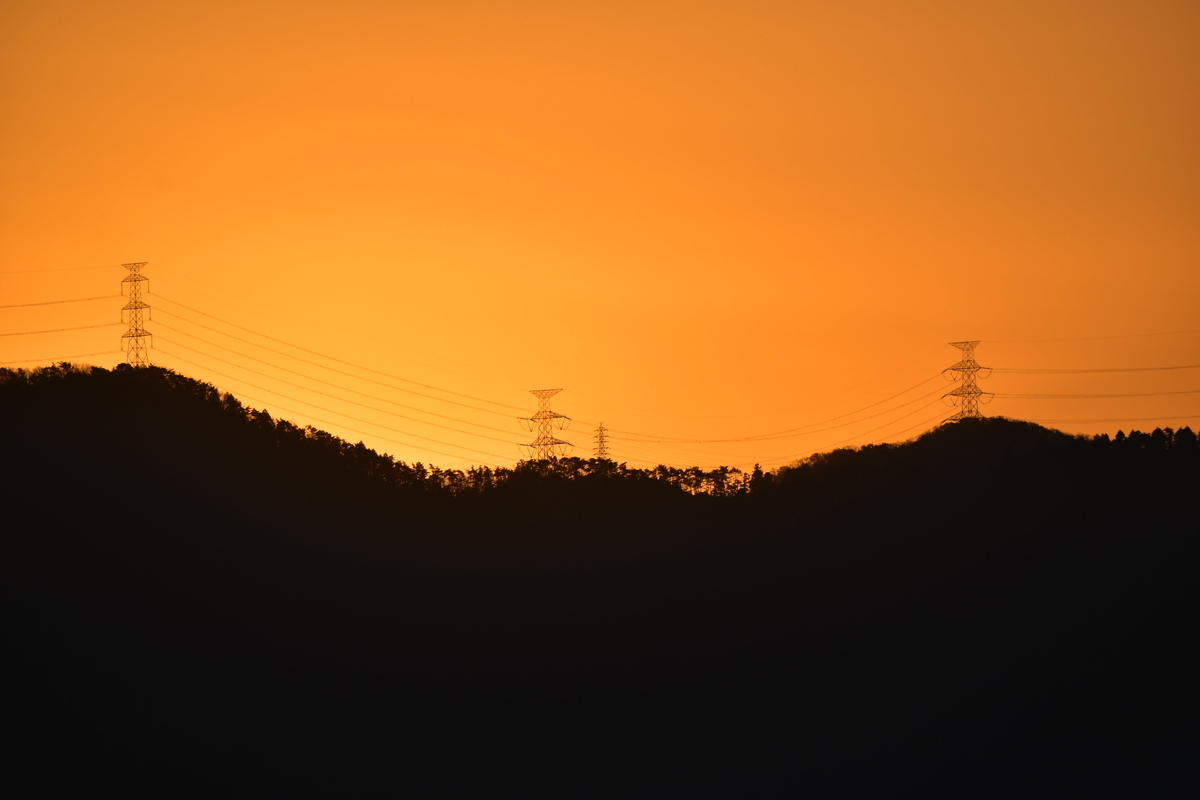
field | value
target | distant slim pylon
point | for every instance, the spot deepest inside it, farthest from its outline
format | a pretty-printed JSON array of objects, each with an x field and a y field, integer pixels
[
  {"x": 601, "y": 449},
  {"x": 137, "y": 341},
  {"x": 545, "y": 445},
  {"x": 968, "y": 393}
]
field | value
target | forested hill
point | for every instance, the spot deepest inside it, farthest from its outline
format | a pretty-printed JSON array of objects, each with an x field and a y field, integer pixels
[
  {"x": 990, "y": 608},
  {"x": 174, "y": 432}
]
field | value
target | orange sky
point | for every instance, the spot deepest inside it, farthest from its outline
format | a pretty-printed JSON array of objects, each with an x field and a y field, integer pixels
[{"x": 705, "y": 220}]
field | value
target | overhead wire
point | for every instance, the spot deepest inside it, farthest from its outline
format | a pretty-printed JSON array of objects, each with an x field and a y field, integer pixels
[
  {"x": 673, "y": 448},
  {"x": 355, "y": 430},
  {"x": 1094, "y": 338},
  {"x": 59, "y": 302},
  {"x": 1015, "y": 370},
  {"x": 775, "y": 412},
  {"x": 671, "y": 453},
  {"x": 911, "y": 427},
  {"x": 335, "y": 369},
  {"x": 639, "y": 440},
  {"x": 1090, "y": 396},
  {"x": 344, "y": 400},
  {"x": 56, "y": 269},
  {"x": 333, "y": 411},
  {"x": 57, "y": 359},
  {"x": 1125, "y": 419},
  {"x": 886, "y": 424},
  {"x": 335, "y": 358},
  {"x": 335, "y": 385},
  {"x": 638, "y": 445},
  {"x": 661, "y": 455},
  {"x": 224, "y": 299},
  {"x": 60, "y": 330},
  {"x": 801, "y": 431},
  {"x": 852, "y": 438}
]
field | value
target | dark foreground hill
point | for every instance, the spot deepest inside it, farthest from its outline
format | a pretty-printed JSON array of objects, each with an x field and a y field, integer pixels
[{"x": 200, "y": 599}]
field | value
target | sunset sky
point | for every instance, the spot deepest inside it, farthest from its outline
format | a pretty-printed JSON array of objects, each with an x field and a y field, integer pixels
[{"x": 701, "y": 220}]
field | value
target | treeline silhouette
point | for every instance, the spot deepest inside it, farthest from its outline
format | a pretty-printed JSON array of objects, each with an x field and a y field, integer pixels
[{"x": 249, "y": 606}]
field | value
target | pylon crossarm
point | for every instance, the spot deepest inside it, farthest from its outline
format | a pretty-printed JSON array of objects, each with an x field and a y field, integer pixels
[
  {"x": 545, "y": 445},
  {"x": 136, "y": 340},
  {"x": 966, "y": 372}
]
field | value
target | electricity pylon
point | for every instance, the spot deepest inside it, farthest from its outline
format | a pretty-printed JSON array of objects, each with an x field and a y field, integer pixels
[
  {"x": 601, "y": 449},
  {"x": 546, "y": 445},
  {"x": 137, "y": 341},
  {"x": 968, "y": 393}
]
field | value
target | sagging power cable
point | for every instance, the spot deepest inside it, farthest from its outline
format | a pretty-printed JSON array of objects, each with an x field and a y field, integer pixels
[
  {"x": 330, "y": 410},
  {"x": 339, "y": 360},
  {"x": 59, "y": 302}
]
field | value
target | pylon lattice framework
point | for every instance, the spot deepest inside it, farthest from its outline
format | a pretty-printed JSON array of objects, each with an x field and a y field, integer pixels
[
  {"x": 601, "y": 449},
  {"x": 546, "y": 445},
  {"x": 137, "y": 341},
  {"x": 968, "y": 394}
]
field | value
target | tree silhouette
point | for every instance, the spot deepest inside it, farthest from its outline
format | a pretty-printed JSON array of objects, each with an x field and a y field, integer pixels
[{"x": 225, "y": 592}]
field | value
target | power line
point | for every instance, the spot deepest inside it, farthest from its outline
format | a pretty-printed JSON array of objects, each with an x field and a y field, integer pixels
[
  {"x": 1013, "y": 370},
  {"x": 334, "y": 358},
  {"x": 911, "y": 427},
  {"x": 332, "y": 411},
  {"x": 776, "y": 412},
  {"x": 57, "y": 302},
  {"x": 1090, "y": 396},
  {"x": 328, "y": 383},
  {"x": 344, "y": 400},
  {"x": 638, "y": 438},
  {"x": 326, "y": 333},
  {"x": 775, "y": 434},
  {"x": 1095, "y": 338},
  {"x": 886, "y": 424},
  {"x": 852, "y": 438},
  {"x": 242, "y": 395},
  {"x": 758, "y": 437},
  {"x": 53, "y": 269},
  {"x": 790, "y": 434},
  {"x": 62, "y": 358},
  {"x": 324, "y": 366},
  {"x": 1126, "y": 419},
  {"x": 675, "y": 450},
  {"x": 60, "y": 330},
  {"x": 641, "y": 454}
]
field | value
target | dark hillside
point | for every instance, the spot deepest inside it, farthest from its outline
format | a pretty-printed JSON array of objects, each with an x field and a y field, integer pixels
[{"x": 203, "y": 599}]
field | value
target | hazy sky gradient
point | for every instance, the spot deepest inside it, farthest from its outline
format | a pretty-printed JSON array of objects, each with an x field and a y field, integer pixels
[{"x": 701, "y": 220}]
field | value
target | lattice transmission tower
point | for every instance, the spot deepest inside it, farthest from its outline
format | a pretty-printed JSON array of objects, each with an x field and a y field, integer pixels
[
  {"x": 137, "y": 341},
  {"x": 545, "y": 444},
  {"x": 601, "y": 448},
  {"x": 968, "y": 394}
]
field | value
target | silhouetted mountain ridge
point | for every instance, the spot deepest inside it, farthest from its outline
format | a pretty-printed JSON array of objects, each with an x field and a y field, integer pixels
[{"x": 206, "y": 585}]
